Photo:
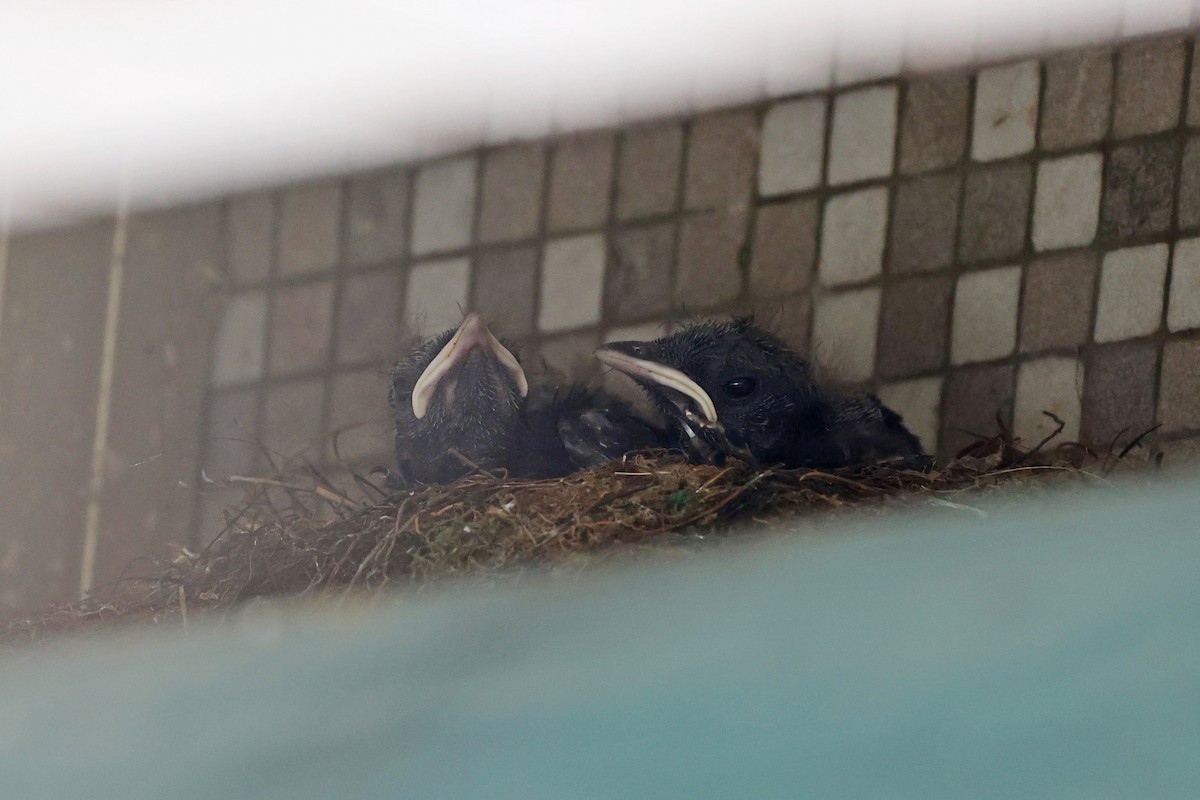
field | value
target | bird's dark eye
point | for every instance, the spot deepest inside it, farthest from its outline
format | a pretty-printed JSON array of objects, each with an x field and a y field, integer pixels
[{"x": 739, "y": 388}]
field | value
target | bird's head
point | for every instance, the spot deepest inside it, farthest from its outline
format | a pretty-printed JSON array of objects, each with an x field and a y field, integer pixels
[
  {"x": 461, "y": 390},
  {"x": 729, "y": 375}
]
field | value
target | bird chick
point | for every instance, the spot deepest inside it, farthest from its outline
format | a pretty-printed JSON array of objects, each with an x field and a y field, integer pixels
[
  {"x": 457, "y": 402},
  {"x": 731, "y": 388}
]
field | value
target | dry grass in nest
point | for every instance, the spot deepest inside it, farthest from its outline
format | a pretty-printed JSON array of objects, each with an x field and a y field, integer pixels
[{"x": 289, "y": 539}]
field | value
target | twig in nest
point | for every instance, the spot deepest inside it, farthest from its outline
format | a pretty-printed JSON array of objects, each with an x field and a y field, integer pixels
[
  {"x": 1059, "y": 425},
  {"x": 1138, "y": 440},
  {"x": 317, "y": 489},
  {"x": 469, "y": 463}
]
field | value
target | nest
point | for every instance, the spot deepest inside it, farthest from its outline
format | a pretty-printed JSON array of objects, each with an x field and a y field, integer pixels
[{"x": 293, "y": 539}]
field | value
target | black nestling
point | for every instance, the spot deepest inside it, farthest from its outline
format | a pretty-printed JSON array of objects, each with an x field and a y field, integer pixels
[
  {"x": 731, "y": 388},
  {"x": 458, "y": 402}
]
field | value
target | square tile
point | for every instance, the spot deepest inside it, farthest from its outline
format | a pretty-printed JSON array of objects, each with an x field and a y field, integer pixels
[
  {"x": 924, "y": 222},
  {"x": 641, "y": 332},
  {"x": 505, "y": 289},
  {"x": 1054, "y": 384},
  {"x": 301, "y": 325},
  {"x": 933, "y": 133},
  {"x": 1179, "y": 388},
  {"x": 852, "y": 236},
  {"x": 292, "y": 424},
  {"x": 720, "y": 164},
  {"x": 784, "y": 252},
  {"x": 1066, "y": 206},
  {"x": 1139, "y": 180},
  {"x": 995, "y": 212},
  {"x": 368, "y": 318},
  {"x": 241, "y": 340},
  {"x": 250, "y": 232},
  {"x": 377, "y": 217},
  {"x": 1056, "y": 308},
  {"x": 919, "y": 402},
  {"x": 977, "y": 403},
  {"x": 1183, "y": 309},
  {"x": 710, "y": 268},
  {"x": 639, "y": 274},
  {"x": 511, "y": 200},
  {"x": 1077, "y": 97},
  {"x": 914, "y": 325},
  {"x": 787, "y": 316},
  {"x": 1131, "y": 292},
  {"x": 436, "y": 296},
  {"x": 864, "y": 134},
  {"x": 1193, "y": 99},
  {"x": 1189, "y": 185},
  {"x": 1149, "y": 88},
  {"x": 580, "y": 182},
  {"x": 793, "y": 147},
  {"x": 572, "y": 282},
  {"x": 845, "y": 325},
  {"x": 648, "y": 175},
  {"x": 309, "y": 219},
  {"x": 444, "y": 206},
  {"x": 1118, "y": 395},
  {"x": 232, "y": 436},
  {"x": 985, "y": 315},
  {"x": 1006, "y": 108},
  {"x": 570, "y": 357},
  {"x": 360, "y": 423}
]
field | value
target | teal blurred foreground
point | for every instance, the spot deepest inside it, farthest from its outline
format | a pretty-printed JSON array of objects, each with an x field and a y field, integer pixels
[{"x": 1047, "y": 651}]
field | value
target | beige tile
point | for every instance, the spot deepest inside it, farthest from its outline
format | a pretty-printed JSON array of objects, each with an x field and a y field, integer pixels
[
  {"x": 1183, "y": 311},
  {"x": 985, "y": 315},
  {"x": 844, "y": 331},
  {"x": 1053, "y": 384},
  {"x": 377, "y": 217},
  {"x": 309, "y": 218},
  {"x": 572, "y": 282},
  {"x": 360, "y": 423},
  {"x": 852, "y": 236},
  {"x": 864, "y": 133},
  {"x": 301, "y": 327},
  {"x": 793, "y": 146},
  {"x": 250, "y": 236},
  {"x": 436, "y": 297},
  {"x": 1131, "y": 292},
  {"x": 1006, "y": 107},
  {"x": 644, "y": 332},
  {"x": 292, "y": 427},
  {"x": 368, "y": 320},
  {"x": 444, "y": 206},
  {"x": 919, "y": 402},
  {"x": 1066, "y": 205}
]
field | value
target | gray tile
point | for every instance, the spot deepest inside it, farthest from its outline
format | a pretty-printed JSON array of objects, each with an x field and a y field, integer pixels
[
  {"x": 292, "y": 422},
  {"x": 444, "y": 205},
  {"x": 720, "y": 164},
  {"x": 1179, "y": 393},
  {"x": 360, "y": 424},
  {"x": 649, "y": 170},
  {"x": 919, "y": 403},
  {"x": 368, "y": 318},
  {"x": 376, "y": 217},
  {"x": 570, "y": 357},
  {"x": 1149, "y": 88},
  {"x": 301, "y": 325},
  {"x": 1189, "y": 185},
  {"x": 512, "y": 193},
  {"x": 914, "y": 325},
  {"x": 580, "y": 180},
  {"x": 977, "y": 402},
  {"x": 923, "y": 224},
  {"x": 436, "y": 295},
  {"x": 1118, "y": 393},
  {"x": 232, "y": 436},
  {"x": 1078, "y": 92},
  {"x": 793, "y": 146},
  {"x": 238, "y": 352},
  {"x": 1049, "y": 384},
  {"x": 309, "y": 218},
  {"x": 1056, "y": 308},
  {"x": 845, "y": 330},
  {"x": 995, "y": 211},
  {"x": 572, "y": 287},
  {"x": 1193, "y": 100},
  {"x": 784, "y": 252},
  {"x": 933, "y": 130},
  {"x": 710, "y": 271},
  {"x": 638, "y": 284},
  {"x": 506, "y": 289},
  {"x": 1139, "y": 180},
  {"x": 250, "y": 236}
]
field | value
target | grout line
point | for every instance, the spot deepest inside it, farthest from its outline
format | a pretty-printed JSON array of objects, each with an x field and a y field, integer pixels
[{"x": 116, "y": 276}]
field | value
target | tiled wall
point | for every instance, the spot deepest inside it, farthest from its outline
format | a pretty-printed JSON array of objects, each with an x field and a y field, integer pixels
[{"x": 977, "y": 247}]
